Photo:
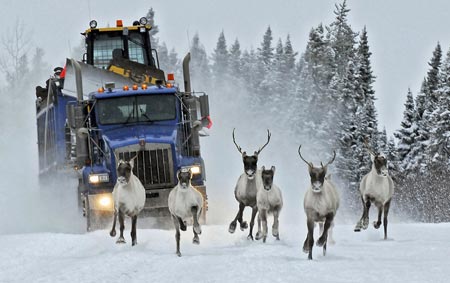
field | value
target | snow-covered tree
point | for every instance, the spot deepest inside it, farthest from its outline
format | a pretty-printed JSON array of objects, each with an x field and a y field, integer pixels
[{"x": 220, "y": 59}]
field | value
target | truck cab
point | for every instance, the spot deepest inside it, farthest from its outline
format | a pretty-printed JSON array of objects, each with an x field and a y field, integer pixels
[{"x": 117, "y": 104}]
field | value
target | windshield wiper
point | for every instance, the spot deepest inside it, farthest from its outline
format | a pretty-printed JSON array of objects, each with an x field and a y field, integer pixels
[
  {"x": 145, "y": 115},
  {"x": 130, "y": 115}
]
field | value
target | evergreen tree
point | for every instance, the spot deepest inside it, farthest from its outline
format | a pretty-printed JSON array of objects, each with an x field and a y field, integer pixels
[
  {"x": 407, "y": 134},
  {"x": 235, "y": 63},
  {"x": 155, "y": 29},
  {"x": 343, "y": 38},
  {"x": 220, "y": 59},
  {"x": 199, "y": 63},
  {"x": 265, "y": 52}
]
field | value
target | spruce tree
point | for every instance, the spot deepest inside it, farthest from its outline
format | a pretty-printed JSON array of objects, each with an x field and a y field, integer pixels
[
  {"x": 406, "y": 135},
  {"x": 220, "y": 59},
  {"x": 155, "y": 29}
]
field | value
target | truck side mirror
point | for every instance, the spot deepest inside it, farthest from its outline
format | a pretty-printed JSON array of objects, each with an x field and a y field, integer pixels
[
  {"x": 75, "y": 115},
  {"x": 204, "y": 105}
]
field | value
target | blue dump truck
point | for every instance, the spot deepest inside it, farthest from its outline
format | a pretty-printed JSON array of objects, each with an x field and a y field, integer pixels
[{"x": 117, "y": 104}]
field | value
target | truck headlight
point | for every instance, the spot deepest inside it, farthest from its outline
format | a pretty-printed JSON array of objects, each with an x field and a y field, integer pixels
[
  {"x": 105, "y": 201},
  {"x": 99, "y": 178},
  {"x": 196, "y": 169}
]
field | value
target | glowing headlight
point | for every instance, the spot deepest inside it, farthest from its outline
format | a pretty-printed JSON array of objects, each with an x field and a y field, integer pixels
[
  {"x": 98, "y": 178},
  {"x": 105, "y": 201},
  {"x": 196, "y": 170}
]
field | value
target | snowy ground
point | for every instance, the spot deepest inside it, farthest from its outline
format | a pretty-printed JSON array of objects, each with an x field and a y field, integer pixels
[{"x": 414, "y": 253}]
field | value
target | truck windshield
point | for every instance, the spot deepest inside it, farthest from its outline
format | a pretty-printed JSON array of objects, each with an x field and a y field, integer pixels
[
  {"x": 105, "y": 45},
  {"x": 135, "y": 109}
]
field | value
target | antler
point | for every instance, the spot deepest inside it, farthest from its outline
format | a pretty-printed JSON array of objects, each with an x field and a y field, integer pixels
[
  {"x": 234, "y": 140},
  {"x": 366, "y": 143},
  {"x": 268, "y": 140},
  {"x": 331, "y": 161},
  {"x": 299, "y": 153}
]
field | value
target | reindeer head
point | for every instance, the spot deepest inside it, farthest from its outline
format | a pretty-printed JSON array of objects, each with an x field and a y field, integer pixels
[
  {"x": 379, "y": 161},
  {"x": 267, "y": 177},
  {"x": 251, "y": 161},
  {"x": 124, "y": 170},
  {"x": 184, "y": 176},
  {"x": 317, "y": 174}
]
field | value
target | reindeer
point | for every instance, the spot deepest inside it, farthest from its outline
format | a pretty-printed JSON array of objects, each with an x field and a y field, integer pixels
[
  {"x": 269, "y": 201},
  {"x": 321, "y": 204},
  {"x": 246, "y": 187},
  {"x": 129, "y": 199},
  {"x": 185, "y": 203},
  {"x": 376, "y": 187}
]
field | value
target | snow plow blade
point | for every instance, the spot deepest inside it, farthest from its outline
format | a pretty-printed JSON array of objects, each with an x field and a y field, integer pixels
[{"x": 92, "y": 78}]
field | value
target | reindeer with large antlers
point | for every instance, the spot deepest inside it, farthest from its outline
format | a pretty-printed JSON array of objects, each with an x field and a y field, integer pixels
[
  {"x": 321, "y": 203},
  {"x": 246, "y": 187},
  {"x": 376, "y": 187}
]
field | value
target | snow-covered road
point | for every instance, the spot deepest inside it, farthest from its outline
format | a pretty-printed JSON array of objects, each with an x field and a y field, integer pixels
[{"x": 414, "y": 253}]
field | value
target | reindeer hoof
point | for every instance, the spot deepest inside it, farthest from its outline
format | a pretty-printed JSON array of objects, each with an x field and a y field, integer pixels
[
  {"x": 198, "y": 229},
  {"x": 244, "y": 226},
  {"x": 365, "y": 223},
  {"x": 357, "y": 229},
  {"x": 134, "y": 243},
  {"x": 178, "y": 254},
  {"x": 250, "y": 237},
  {"x": 321, "y": 242},
  {"x": 232, "y": 227},
  {"x": 112, "y": 233},
  {"x": 258, "y": 236},
  {"x": 196, "y": 241},
  {"x": 376, "y": 224},
  {"x": 182, "y": 225},
  {"x": 121, "y": 240},
  {"x": 264, "y": 239}
]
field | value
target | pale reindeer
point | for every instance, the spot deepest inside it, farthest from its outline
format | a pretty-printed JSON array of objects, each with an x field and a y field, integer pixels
[
  {"x": 376, "y": 187},
  {"x": 246, "y": 187},
  {"x": 321, "y": 203},
  {"x": 269, "y": 200},
  {"x": 185, "y": 203},
  {"x": 129, "y": 199}
]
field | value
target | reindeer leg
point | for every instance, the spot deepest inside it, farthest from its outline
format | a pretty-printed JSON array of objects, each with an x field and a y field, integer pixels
[
  {"x": 259, "y": 233},
  {"x": 363, "y": 223},
  {"x": 232, "y": 226},
  {"x": 323, "y": 238},
  {"x": 121, "y": 239},
  {"x": 252, "y": 222},
  {"x": 385, "y": 220},
  {"x": 309, "y": 242},
  {"x": 377, "y": 224},
  {"x": 330, "y": 234},
  {"x": 133, "y": 230},
  {"x": 176, "y": 223},
  {"x": 113, "y": 229},
  {"x": 196, "y": 229},
  {"x": 264, "y": 223},
  {"x": 275, "y": 231}
]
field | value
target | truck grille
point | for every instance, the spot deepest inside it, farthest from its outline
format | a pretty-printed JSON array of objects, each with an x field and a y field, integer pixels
[{"x": 153, "y": 166}]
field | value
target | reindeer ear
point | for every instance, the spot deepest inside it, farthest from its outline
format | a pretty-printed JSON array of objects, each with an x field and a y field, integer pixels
[
  {"x": 244, "y": 154},
  {"x": 255, "y": 153},
  {"x": 273, "y": 169},
  {"x": 263, "y": 168},
  {"x": 178, "y": 174}
]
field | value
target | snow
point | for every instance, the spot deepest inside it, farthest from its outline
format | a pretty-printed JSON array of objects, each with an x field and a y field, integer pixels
[{"x": 413, "y": 253}]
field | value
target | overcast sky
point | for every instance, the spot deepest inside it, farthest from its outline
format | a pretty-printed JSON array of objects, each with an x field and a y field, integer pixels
[{"x": 402, "y": 34}]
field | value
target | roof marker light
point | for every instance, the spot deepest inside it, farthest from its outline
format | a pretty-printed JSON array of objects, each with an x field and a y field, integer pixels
[
  {"x": 125, "y": 87},
  {"x": 144, "y": 86},
  {"x": 119, "y": 23},
  {"x": 135, "y": 87},
  {"x": 143, "y": 21},
  {"x": 93, "y": 24}
]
